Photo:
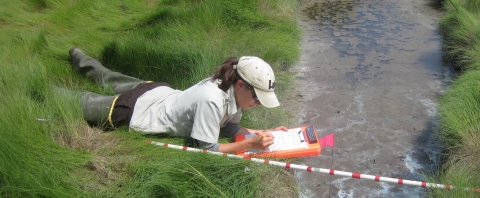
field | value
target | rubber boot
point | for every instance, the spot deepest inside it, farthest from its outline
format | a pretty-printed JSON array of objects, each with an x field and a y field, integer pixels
[
  {"x": 96, "y": 109},
  {"x": 93, "y": 69}
]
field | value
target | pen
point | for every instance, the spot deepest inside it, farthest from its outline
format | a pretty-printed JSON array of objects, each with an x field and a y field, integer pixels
[{"x": 261, "y": 135}]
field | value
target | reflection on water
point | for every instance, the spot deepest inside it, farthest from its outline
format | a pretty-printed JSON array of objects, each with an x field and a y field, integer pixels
[{"x": 371, "y": 73}]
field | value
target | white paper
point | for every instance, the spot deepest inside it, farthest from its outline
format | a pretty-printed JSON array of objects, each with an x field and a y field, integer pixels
[{"x": 284, "y": 140}]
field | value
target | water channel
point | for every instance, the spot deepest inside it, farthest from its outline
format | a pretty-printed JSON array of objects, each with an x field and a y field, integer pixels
[{"x": 371, "y": 73}]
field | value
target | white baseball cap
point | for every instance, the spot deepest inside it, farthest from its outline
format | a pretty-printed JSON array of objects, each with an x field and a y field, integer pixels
[{"x": 259, "y": 74}]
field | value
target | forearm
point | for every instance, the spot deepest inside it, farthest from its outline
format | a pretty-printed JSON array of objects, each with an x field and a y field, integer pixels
[
  {"x": 236, "y": 147},
  {"x": 261, "y": 141}
]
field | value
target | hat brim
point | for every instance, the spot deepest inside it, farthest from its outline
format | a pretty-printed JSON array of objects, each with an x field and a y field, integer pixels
[{"x": 267, "y": 98}]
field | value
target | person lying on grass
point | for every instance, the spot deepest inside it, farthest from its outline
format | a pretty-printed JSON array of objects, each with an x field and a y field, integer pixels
[{"x": 202, "y": 112}]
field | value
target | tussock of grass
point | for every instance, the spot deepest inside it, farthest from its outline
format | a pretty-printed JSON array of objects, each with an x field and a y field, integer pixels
[
  {"x": 460, "y": 177},
  {"x": 168, "y": 41},
  {"x": 460, "y": 27},
  {"x": 459, "y": 110},
  {"x": 32, "y": 165}
]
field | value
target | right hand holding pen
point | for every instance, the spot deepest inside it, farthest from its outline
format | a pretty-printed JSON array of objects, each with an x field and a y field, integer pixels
[{"x": 262, "y": 141}]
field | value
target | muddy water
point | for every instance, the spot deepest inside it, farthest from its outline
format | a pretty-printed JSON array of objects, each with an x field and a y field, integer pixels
[{"x": 370, "y": 73}]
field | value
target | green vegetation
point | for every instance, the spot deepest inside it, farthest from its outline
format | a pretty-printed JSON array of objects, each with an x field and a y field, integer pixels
[
  {"x": 47, "y": 148},
  {"x": 459, "y": 111}
]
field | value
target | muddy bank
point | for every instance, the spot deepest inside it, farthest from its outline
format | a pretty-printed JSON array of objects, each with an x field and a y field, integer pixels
[{"x": 371, "y": 73}]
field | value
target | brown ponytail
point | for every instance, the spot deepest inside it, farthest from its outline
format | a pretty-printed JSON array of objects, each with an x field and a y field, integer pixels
[{"x": 226, "y": 73}]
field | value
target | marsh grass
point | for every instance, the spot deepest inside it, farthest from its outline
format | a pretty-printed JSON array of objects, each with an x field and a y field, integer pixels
[
  {"x": 459, "y": 107},
  {"x": 32, "y": 164},
  {"x": 47, "y": 148},
  {"x": 460, "y": 27},
  {"x": 187, "y": 41},
  {"x": 456, "y": 176}
]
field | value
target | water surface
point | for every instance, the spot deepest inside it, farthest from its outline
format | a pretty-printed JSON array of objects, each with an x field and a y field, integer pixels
[{"x": 371, "y": 73}]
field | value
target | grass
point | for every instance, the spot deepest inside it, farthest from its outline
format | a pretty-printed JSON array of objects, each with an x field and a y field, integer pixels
[
  {"x": 460, "y": 27},
  {"x": 459, "y": 107},
  {"x": 47, "y": 148}
]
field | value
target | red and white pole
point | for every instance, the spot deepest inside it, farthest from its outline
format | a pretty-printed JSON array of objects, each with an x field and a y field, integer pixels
[{"x": 321, "y": 170}]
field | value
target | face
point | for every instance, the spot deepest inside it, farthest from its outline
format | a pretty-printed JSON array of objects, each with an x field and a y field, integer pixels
[{"x": 245, "y": 95}]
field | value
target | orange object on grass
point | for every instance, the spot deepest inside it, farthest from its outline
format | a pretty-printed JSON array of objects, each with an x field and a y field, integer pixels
[{"x": 294, "y": 143}]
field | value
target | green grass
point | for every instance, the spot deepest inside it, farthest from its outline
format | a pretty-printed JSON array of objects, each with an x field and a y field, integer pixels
[
  {"x": 459, "y": 107},
  {"x": 455, "y": 174},
  {"x": 187, "y": 41},
  {"x": 32, "y": 164},
  {"x": 461, "y": 29},
  {"x": 179, "y": 42}
]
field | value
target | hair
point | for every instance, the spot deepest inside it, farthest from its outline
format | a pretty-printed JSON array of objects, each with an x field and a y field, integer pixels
[{"x": 226, "y": 73}]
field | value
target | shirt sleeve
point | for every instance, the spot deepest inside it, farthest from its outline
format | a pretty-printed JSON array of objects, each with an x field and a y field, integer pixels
[
  {"x": 206, "y": 121},
  {"x": 230, "y": 129}
]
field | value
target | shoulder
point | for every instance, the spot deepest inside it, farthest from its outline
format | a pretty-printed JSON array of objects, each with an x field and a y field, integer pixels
[{"x": 207, "y": 89}]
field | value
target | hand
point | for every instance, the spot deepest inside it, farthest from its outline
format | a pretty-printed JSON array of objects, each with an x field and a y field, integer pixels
[{"x": 262, "y": 140}]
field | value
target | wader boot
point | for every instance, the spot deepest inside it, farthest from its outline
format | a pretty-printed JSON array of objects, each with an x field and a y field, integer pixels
[
  {"x": 97, "y": 109},
  {"x": 94, "y": 70}
]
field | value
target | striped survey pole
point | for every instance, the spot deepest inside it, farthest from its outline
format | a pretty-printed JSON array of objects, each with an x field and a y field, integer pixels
[{"x": 321, "y": 170}]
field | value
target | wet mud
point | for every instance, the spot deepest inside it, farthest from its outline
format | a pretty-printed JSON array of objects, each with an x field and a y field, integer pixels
[{"x": 371, "y": 73}]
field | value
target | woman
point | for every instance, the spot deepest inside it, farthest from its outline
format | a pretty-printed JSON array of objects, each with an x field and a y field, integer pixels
[{"x": 202, "y": 112}]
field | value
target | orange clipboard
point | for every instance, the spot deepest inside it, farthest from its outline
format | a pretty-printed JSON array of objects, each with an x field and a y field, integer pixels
[{"x": 294, "y": 143}]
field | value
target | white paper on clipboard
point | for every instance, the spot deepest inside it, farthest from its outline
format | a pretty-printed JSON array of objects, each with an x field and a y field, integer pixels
[{"x": 284, "y": 140}]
